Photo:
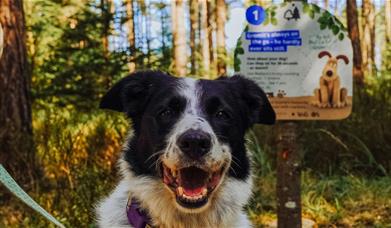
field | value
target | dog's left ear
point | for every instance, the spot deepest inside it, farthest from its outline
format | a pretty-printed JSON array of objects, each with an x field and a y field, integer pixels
[
  {"x": 260, "y": 109},
  {"x": 130, "y": 94}
]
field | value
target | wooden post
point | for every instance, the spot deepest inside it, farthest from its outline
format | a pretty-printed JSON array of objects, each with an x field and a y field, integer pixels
[
  {"x": 1, "y": 40},
  {"x": 288, "y": 177}
]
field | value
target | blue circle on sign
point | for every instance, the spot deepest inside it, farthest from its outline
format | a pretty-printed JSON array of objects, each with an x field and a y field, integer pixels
[{"x": 255, "y": 15}]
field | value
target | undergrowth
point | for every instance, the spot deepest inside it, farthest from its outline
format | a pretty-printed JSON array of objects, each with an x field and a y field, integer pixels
[
  {"x": 330, "y": 201},
  {"x": 77, "y": 153}
]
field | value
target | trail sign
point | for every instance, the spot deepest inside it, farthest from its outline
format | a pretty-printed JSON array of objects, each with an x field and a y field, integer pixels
[{"x": 301, "y": 56}]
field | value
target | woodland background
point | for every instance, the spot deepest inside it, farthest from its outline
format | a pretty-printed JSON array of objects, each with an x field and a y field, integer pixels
[{"x": 60, "y": 56}]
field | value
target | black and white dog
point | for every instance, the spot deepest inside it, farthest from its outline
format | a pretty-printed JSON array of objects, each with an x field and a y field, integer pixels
[{"x": 185, "y": 164}]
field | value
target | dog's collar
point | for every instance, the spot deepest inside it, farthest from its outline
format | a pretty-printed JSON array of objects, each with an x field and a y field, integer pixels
[{"x": 137, "y": 217}]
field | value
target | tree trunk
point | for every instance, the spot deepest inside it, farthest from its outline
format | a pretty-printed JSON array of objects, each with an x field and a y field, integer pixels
[
  {"x": 387, "y": 12},
  {"x": 354, "y": 34},
  {"x": 368, "y": 36},
  {"x": 1, "y": 40},
  {"x": 16, "y": 147},
  {"x": 211, "y": 28},
  {"x": 193, "y": 8},
  {"x": 131, "y": 36},
  {"x": 165, "y": 30},
  {"x": 140, "y": 33},
  {"x": 204, "y": 40},
  {"x": 148, "y": 32},
  {"x": 179, "y": 37},
  {"x": 107, "y": 7},
  {"x": 221, "y": 18}
]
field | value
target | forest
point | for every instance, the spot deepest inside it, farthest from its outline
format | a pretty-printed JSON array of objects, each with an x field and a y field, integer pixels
[{"x": 59, "y": 57}]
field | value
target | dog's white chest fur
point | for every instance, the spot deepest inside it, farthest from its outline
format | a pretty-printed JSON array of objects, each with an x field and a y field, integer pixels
[{"x": 227, "y": 211}]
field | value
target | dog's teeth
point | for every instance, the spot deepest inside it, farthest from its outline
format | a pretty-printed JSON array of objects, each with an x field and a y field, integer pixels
[
  {"x": 204, "y": 191},
  {"x": 180, "y": 191}
]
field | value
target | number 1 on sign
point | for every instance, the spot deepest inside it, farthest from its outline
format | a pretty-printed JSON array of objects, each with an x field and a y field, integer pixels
[
  {"x": 255, "y": 15},
  {"x": 255, "y": 12}
]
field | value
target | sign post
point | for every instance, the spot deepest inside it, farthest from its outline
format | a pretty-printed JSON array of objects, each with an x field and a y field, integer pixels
[
  {"x": 301, "y": 57},
  {"x": 1, "y": 40},
  {"x": 288, "y": 176}
]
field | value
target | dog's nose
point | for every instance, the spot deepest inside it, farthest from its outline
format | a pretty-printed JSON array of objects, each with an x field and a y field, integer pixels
[
  {"x": 194, "y": 143},
  {"x": 329, "y": 73}
]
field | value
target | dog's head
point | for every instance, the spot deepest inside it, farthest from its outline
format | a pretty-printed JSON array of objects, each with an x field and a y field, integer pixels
[
  {"x": 330, "y": 69},
  {"x": 188, "y": 133}
]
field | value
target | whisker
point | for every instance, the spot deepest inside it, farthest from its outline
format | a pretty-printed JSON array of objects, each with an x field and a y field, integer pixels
[
  {"x": 235, "y": 162},
  {"x": 230, "y": 168},
  {"x": 153, "y": 155},
  {"x": 156, "y": 163}
]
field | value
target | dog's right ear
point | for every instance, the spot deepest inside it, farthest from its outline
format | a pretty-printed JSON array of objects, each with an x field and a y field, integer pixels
[
  {"x": 323, "y": 53},
  {"x": 130, "y": 94}
]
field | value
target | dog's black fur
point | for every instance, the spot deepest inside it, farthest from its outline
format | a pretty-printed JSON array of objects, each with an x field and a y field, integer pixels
[
  {"x": 147, "y": 98},
  {"x": 164, "y": 108}
]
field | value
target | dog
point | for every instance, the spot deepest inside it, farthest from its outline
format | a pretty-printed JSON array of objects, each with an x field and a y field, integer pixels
[
  {"x": 185, "y": 163},
  {"x": 330, "y": 93}
]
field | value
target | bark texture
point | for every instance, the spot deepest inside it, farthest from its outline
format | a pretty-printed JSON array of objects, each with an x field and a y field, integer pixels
[
  {"x": 354, "y": 34},
  {"x": 211, "y": 24},
  {"x": 193, "y": 8},
  {"x": 131, "y": 36},
  {"x": 16, "y": 148},
  {"x": 221, "y": 18},
  {"x": 179, "y": 37},
  {"x": 368, "y": 36},
  {"x": 387, "y": 13},
  {"x": 204, "y": 40}
]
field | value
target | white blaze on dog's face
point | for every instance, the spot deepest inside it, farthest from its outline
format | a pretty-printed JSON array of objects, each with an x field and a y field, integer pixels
[{"x": 189, "y": 134}]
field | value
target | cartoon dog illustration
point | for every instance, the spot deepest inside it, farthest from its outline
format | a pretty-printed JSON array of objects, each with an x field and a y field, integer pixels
[{"x": 330, "y": 93}]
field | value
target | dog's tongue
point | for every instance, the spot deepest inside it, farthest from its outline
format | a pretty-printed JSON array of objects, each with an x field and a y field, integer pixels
[{"x": 193, "y": 192}]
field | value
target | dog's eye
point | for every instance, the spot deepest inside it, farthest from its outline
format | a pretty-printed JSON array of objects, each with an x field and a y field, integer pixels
[
  {"x": 221, "y": 114},
  {"x": 165, "y": 113}
]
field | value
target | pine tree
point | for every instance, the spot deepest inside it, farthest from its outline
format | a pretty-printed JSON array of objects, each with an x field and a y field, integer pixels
[
  {"x": 354, "y": 34},
  {"x": 16, "y": 147}
]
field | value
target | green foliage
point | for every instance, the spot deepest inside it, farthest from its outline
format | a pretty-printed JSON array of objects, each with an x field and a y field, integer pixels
[
  {"x": 326, "y": 20},
  {"x": 70, "y": 65},
  {"x": 78, "y": 152},
  {"x": 238, "y": 51}
]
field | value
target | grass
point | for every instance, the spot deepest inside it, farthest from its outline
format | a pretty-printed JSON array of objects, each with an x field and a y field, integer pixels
[{"x": 330, "y": 201}]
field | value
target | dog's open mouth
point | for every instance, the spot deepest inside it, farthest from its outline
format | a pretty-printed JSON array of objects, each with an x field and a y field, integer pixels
[{"x": 192, "y": 185}]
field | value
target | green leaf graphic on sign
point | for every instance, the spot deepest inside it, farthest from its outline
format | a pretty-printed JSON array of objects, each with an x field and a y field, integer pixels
[
  {"x": 341, "y": 36},
  {"x": 335, "y": 29}
]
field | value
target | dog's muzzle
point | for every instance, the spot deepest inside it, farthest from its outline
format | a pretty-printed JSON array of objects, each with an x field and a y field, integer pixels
[
  {"x": 329, "y": 73},
  {"x": 194, "y": 176}
]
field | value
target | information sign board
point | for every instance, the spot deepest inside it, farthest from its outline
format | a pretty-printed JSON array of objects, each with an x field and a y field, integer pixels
[{"x": 301, "y": 56}]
